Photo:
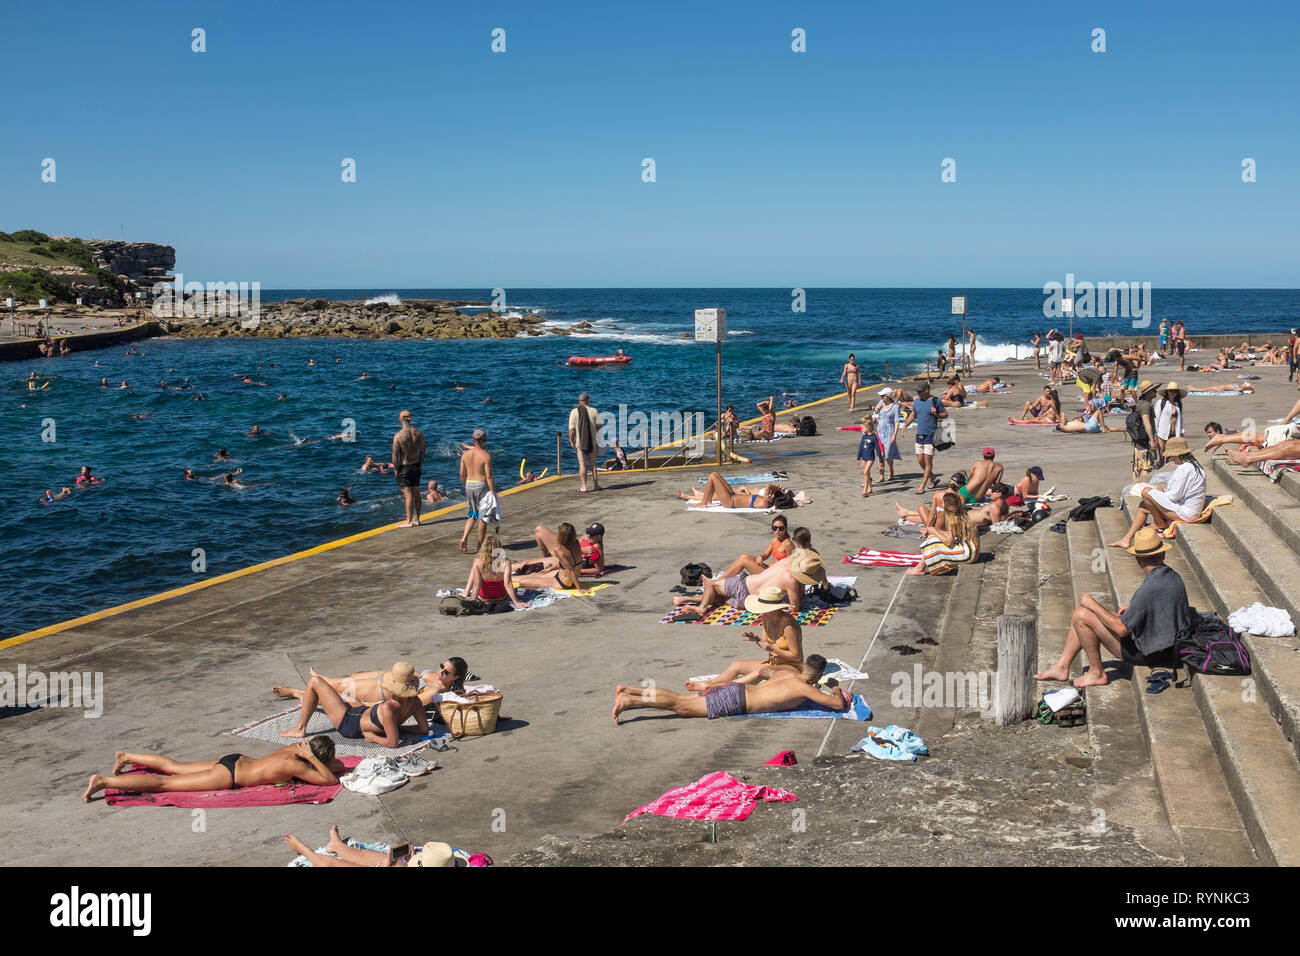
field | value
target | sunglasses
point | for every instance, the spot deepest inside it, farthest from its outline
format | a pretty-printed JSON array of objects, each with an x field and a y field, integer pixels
[{"x": 778, "y": 527}]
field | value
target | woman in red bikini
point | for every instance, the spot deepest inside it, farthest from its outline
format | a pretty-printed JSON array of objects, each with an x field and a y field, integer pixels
[
  {"x": 489, "y": 575},
  {"x": 311, "y": 761}
]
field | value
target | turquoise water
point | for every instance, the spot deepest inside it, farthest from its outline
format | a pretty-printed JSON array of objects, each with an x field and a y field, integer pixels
[{"x": 135, "y": 533}]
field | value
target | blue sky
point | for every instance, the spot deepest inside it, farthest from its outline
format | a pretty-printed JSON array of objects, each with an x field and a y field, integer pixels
[{"x": 773, "y": 168}]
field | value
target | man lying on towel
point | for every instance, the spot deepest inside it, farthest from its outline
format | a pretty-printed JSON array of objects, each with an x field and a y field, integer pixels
[
  {"x": 733, "y": 700},
  {"x": 790, "y": 576}
]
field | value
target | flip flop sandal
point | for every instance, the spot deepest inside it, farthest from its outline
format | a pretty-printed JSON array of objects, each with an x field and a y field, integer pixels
[
  {"x": 1059, "y": 527},
  {"x": 1156, "y": 686},
  {"x": 1160, "y": 675},
  {"x": 904, "y": 649},
  {"x": 677, "y": 589},
  {"x": 1074, "y": 715}
]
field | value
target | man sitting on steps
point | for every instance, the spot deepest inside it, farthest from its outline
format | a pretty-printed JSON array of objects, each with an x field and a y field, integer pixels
[{"x": 1144, "y": 630}]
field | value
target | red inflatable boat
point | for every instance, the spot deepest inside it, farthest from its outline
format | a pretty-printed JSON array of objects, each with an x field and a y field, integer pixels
[{"x": 599, "y": 359}]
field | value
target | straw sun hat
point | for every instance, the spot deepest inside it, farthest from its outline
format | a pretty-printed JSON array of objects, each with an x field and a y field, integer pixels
[
  {"x": 768, "y": 598},
  {"x": 434, "y": 854},
  {"x": 1176, "y": 447},
  {"x": 1147, "y": 542},
  {"x": 1174, "y": 387},
  {"x": 400, "y": 681},
  {"x": 807, "y": 566}
]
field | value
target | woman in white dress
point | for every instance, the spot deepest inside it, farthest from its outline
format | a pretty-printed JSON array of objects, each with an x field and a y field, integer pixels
[
  {"x": 1182, "y": 499},
  {"x": 1169, "y": 414}
]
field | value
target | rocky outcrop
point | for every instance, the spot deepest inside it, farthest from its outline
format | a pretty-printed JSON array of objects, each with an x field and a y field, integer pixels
[
  {"x": 144, "y": 263},
  {"x": 415, "y": 318}
]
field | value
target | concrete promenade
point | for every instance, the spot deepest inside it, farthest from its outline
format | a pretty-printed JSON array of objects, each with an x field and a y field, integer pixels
[{"x": 179, "y": 674}]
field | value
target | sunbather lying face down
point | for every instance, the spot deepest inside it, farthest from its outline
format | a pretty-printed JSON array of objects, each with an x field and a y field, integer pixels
[
  {"x": 731, "y": 700},
  {"x": 364, "y": 687},
  {"x": 311, "y": 761}
]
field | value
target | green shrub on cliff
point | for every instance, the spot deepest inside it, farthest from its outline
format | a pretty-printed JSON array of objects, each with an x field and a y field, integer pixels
[
  {"x": 29, "y": 235},
  {"x": 32, "y": 285}
]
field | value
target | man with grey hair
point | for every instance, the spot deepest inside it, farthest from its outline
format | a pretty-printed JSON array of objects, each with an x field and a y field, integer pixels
[{"x": 583, "y": 424}]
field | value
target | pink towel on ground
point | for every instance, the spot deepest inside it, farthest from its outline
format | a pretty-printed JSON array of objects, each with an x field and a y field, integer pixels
[
  {"x": 266, "y": 795},
  {"x": 715, "y": 796},
  {"x": 889, "y": 559}
]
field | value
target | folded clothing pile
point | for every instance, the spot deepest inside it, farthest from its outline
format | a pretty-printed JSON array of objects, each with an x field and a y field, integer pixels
[
  {"x": 377, "y": 775},
  {"x": 891, "y": 743},
  {"x": 1262, "y": 620}
]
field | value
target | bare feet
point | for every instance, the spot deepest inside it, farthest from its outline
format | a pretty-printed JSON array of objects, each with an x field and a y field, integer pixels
[
  {"x": 915, "y": 571},
  {"x": 294, "y": 732},
  {"x": 1056, "y": 672},
  {"x": 119, "y": 761},
  {"x": 1091, "y": 680},
  {"x": 679, "y": 495},
  {"x": 1121, "y": 543},
  {"x": 336, "y": 840},
  {"x": 293, "y": 843},
  {"x": 1237, "y": 455},
  {"x": 280, "y": 691},
  {"x": 96, "y": 784},
  {"x": 463, "y": 549},
  {"x": 620, "y": 704}
]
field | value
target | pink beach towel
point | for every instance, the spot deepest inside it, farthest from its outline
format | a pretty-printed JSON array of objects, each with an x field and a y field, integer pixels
[
  {"x": 715, "y": 796},
  {"x": 889, "y": 559},
  {"x": 267, "y": 795}
]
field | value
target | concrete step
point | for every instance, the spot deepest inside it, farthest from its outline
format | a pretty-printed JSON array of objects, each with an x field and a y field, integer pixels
[
  {"x": 1021, "y": 554},
  {"x": 1127, "y": 792},
  {"x": 1192, "y": 788},
  {"x": 1055, "y": 595},
  {"x": 1252, "y": 488},
  {"x": 1290, "y": 483}
]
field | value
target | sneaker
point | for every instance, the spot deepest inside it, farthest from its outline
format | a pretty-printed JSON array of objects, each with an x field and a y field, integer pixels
[{"x": 413, "y": 766}]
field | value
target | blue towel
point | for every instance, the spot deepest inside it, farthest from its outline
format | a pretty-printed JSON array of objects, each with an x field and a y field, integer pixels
[
  {"x": 892, "y": 743},
  {"x": 859, "y": 711},
  {"x": 766, "y": 477}
]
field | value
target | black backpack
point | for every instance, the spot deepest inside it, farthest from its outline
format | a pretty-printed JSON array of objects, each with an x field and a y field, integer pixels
[
  {"x": 1086, "y": 509},
  {"x": 1137, "y": 432},
  {"x": 807, "y": 426},
  {"x": 692, "y": 574},
  {"x": 1210, "y": 646}
]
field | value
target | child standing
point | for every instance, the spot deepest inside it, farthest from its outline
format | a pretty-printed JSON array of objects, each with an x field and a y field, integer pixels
[{"x": 869, "y": 451}]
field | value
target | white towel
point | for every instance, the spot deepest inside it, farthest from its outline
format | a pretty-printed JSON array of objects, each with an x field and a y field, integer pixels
[
  {"x": 718, "y": 509},
  {"x": 1262, "y": 620},
  {"x": 489, "y": 509}
]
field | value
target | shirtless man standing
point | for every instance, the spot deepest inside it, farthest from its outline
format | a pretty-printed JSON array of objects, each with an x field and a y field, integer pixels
[
  {"x": 803, "y": 567},
  {"x": 982, "y": 475},
  {"x": 732, "y": 700},
  {"x": 408, "y": 459},
  {"x": 476, "y": 476}
]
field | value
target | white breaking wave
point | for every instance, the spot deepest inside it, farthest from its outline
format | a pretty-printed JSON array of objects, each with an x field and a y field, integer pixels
[
  {"x": 986, "y": 354},
  {"x": 391, "y": 298}
]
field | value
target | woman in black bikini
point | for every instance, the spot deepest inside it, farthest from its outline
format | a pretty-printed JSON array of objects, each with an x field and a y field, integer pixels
[
  {"x": 311, "y": 761},
  {"x": 379, "y": 724}
]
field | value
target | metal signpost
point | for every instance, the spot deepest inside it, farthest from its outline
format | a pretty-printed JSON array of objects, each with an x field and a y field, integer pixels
[
  {"x": 711, "y": 326},
  {"x": 959, "y": 308}
]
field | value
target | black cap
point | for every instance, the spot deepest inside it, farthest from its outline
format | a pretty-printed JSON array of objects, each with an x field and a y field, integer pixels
[{"x": 596, "y": 529}]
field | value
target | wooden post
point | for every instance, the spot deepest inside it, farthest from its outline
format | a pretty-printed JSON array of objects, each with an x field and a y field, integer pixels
[
  {"x": 886, "y": 370},
  {"x": 1015, "y": 696},
  {"x": 558, "y": 460}
]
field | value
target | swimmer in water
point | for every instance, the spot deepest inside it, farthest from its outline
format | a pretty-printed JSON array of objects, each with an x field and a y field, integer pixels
[
  {"x": 86, "y": 478},
  {"x": 433, "y": 495},
  {"x": 254, "y": 432},
  {"x": 361, "y": 376},
  {"x": 103, "y": 382},
  {"x": 124, "y": 385},
  {"x": 311, "y": 362},
  {"x": 189, "y": 474},
  {"x": 222, "y": 455},
  {"x": 458, "y": 388},
  {"x": 64, "y": 492},
  {"x": 345, "y": 499},
  {"x": 281, "y": 397},
  {"x": 229, "y": 478},
  {"x": 371, "y": 465}
]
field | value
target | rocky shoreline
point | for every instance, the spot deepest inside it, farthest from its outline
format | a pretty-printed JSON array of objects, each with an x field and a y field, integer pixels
[{"x": 412, "y": 318}]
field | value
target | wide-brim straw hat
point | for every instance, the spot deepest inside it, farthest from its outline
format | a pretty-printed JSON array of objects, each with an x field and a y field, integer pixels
[
  {"x": 400, "y": 681},
  {"x": 1147, "y": 386},
  {"x": 807, "y": 567},
  {"x": 434, "y": 854},
  {"x": 1147, "y": 542},
  {"x": 768, "y": 598},
  {"x": 1175, "y": 387},
  {"x": 1176, "y": 447}
]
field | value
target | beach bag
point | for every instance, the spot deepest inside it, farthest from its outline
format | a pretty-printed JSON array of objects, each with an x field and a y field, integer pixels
[
  {"x": 1137, "y": 433},
  {"x": 455, "y": 606},
  {"x": 692, "y": 574},
  {"x": 478, "y": 718},
  {"x": 835, "y": 595},
  {"x": 946, "y": 433},
  {"x": 1086, "y": 509},
  {"x": 1211, "y": 647},
  {"x": 807, "y": 426}
]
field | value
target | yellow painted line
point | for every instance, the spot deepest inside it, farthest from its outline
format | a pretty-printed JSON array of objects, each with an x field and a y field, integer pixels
[{"x": 108, "y": 612}]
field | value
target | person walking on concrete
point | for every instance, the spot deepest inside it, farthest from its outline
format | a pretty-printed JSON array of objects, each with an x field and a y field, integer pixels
[
  {"x": 584, "y": 422},
  {"x": 476, "y": 476},
  {"x": 926, "y": 412},
  {"x": 408, "y": 460}
]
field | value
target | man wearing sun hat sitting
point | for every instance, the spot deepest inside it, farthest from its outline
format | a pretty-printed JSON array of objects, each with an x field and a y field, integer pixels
[
  {"x": 790, "y": 576},
  {"x": 1144, "y": 630}
]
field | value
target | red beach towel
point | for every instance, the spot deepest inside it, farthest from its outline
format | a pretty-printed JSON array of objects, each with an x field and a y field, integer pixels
[
  {"x": 889, "y": 559},
  {"x": 267, "y": 795},
  {"x": 715, "y": 796}
]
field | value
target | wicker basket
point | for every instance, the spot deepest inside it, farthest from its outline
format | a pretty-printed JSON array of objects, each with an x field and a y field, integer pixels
[{"x": 475, "y": 719}]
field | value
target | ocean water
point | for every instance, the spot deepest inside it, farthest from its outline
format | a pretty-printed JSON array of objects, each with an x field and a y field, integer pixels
[{"x": 137, "y": 532}]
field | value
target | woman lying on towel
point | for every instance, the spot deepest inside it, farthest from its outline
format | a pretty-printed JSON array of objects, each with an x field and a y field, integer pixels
[
  {"x": 561, "y": 567},
  {"x": 1050, "y": 415},
  {"x": 339, "y": 852},
  {"x": 1182, "y": 499},
  {"x": 311, "y": 761},
  {"x": 367, "y": 687},
  {"x": 956, "y": 543},
  {"x": 380, "y": 723},
  {"x": 1091, "y": 424},
  {"x": 717, "y": 489}
]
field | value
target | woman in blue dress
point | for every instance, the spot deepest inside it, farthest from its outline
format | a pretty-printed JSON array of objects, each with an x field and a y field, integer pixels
[{"x": 887, "y": 431}]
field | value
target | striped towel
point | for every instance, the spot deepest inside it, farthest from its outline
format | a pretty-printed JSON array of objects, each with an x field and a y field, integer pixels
[
  {"x": 889, "y": 559},
  {"x": 715, "y": 796}
]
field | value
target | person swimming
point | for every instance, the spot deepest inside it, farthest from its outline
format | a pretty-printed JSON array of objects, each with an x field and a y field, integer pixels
[{"x": 345, "y": 499}]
